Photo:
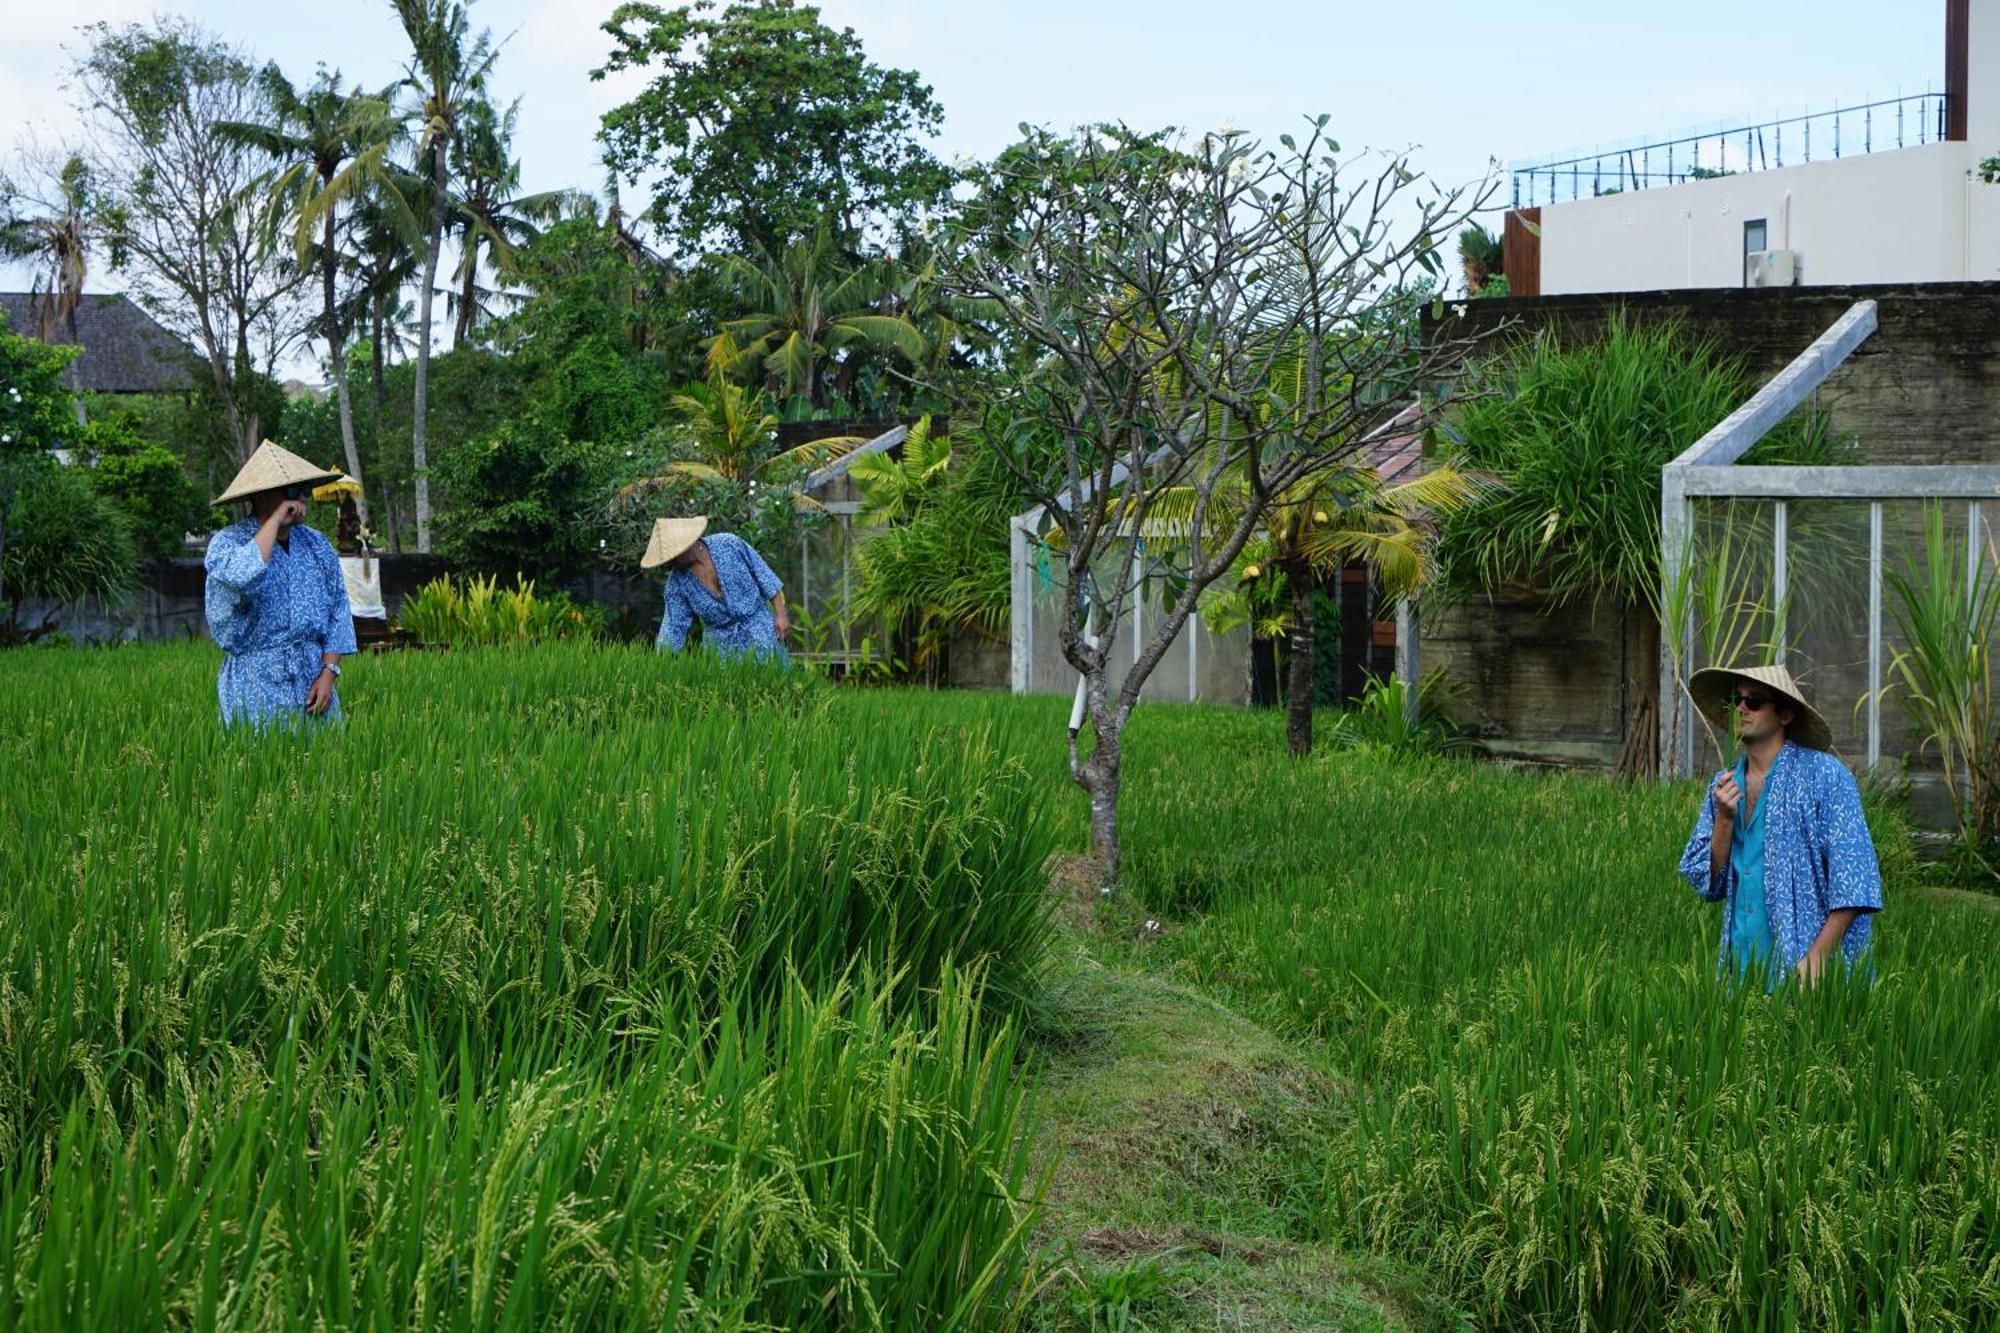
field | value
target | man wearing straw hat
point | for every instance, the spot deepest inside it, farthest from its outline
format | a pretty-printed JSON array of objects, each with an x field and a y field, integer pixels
[
  {"x": 1781, "y": 840},
  {"x": 276, "y": 599},
  {"x": 721, "y": 581}
]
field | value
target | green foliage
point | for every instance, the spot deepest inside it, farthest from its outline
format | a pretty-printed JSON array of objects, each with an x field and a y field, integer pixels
[
  {"x": 65, "y": 542},
  {"x": 35, "y": 404},
  {"x": 562, "y": 987},
  {"x": 1945, "y": 670},
  {"x": 760, "y": 119},
  {"x": 935, "y": 555},
  {"x": 596, "y": 392},
  {"x": 147, "y": 482},
  {"x": 1578, "y": 432},
  {"x": 1482, "y": 258},
  {"x": 58, "y": 539},
  {"x": 521, "y": 501},
  {"x": 1381, "y": 719},
  {"x": 584, "y": 278},
  {"x": 809, "y": 321},
  {"x": 478, "y": 612}
]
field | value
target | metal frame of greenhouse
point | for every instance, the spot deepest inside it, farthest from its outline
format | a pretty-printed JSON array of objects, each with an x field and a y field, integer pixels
[{"x": 1708, "y": 471}]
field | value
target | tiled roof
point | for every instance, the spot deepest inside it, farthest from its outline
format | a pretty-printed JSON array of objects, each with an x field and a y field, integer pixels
[{"x": 125, "y": 350}]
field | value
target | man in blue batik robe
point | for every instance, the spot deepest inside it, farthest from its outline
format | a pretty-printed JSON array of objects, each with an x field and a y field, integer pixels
[
  {"x": 275, "y": 598},
  {"x": 1781, "y": 840},
  {"x": 721, "y": 581}
]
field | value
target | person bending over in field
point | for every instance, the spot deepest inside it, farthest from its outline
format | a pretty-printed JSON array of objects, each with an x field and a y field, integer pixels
[
  {"x": 1780, "y": 840},
  {"x": 721, "y": 581},
  {"x": 276, "y": 599}
]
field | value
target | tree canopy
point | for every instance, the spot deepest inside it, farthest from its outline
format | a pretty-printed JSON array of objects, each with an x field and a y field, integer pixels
[{"x": 760, "y": 119}]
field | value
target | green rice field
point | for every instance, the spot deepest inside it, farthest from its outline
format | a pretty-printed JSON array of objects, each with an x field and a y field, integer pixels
[{"x": 574, "y": 987}]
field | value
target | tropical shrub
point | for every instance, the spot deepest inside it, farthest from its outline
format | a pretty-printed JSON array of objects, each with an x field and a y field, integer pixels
[
  {"x": 477, "y": 611},
  {"x": 935, "y": 552},
  {"x": 1577, "y": 431},
  {"x": 522, "y": 499},
  {"x": 1381, "y": 719},
  {"x": 147, "y": 482},
  {"x": 66, "y": 543}
]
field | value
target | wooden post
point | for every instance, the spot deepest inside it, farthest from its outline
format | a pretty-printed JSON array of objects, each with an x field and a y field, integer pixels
[
  {"x": 1521, "y": 251},
  {"x": 1957, "y": 67}
]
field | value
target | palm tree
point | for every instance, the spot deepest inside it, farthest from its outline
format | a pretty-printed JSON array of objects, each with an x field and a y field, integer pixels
[
  {"x": 332, "y": 146},
  {"x": 56, "y": 238},
  {"x": 1347, "y": 514},
  {"x": 805, "y": 308},
  {"x": 733, "y": 429},
  {"x": 488, "y": 212},
  {"x": 1481, "y": 257},
  {"x": 447, "y": 73}
]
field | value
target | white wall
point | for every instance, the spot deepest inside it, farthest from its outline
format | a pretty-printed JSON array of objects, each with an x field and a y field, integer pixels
[{"x": 1908, "y": 215}]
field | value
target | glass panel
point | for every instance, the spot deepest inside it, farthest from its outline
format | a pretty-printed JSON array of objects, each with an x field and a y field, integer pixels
[{"x": 1826, "y": 616}]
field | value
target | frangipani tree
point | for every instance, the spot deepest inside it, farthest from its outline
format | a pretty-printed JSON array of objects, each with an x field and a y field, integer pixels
[{"x": 1195, "y": 318}]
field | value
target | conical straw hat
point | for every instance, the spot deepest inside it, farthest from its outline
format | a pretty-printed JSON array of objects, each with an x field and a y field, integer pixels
[
  {"x": 1711, "y": 687},
  {"x": 670, "y": 537},
  {"x": 271, "y": 468}
]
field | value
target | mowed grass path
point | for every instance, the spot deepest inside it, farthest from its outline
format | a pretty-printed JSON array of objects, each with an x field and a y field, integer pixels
[{"x": 1505, "y": 1060}]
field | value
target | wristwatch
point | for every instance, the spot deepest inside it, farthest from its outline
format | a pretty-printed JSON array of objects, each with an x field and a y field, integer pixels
[{"x": 334, "y": 667}]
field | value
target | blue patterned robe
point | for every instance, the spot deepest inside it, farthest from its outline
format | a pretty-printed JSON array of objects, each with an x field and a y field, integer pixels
[
  {"x": 1818, "y": 857},
  {"x": 274, "y": 620},
  {"x": 737, "y": 622}
]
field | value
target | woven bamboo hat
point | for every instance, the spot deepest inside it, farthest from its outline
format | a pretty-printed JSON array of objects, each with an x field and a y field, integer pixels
[
  {"x": 1711, "y": 687},
  {"x": 271, "y": 468},
  {"x": 670, "y": 537}
]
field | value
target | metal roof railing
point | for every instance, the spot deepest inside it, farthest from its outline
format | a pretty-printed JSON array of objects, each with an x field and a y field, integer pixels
[{"x": 1868, "y": 127}]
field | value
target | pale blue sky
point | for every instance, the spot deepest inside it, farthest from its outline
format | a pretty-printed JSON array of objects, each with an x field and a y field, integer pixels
[{"x": 1458, "y": 83}]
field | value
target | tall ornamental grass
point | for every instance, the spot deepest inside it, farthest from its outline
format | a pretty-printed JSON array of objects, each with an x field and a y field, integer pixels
[
  {"x": 561, "y": 988},
  {"x": 1549, "y": 1098}
]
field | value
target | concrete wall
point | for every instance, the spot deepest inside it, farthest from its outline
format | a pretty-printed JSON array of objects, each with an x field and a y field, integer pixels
[
  {"x": 1543, "y": 684},
  {"x": 1925, "y": 388},
  {"x": 1910, "y": 215}
]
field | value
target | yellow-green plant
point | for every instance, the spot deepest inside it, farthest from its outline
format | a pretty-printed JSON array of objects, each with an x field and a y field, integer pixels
[
  {"x": 476, "y": 610},
  {"x": 1945, "y": 672}
]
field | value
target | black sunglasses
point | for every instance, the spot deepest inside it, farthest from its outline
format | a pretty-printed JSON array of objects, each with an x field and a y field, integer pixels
[
  {"x": 297, "y": 491},
  {"x": 1756, "y": 703}
]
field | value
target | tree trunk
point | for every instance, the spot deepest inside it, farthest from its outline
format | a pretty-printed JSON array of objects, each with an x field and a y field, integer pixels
[
  {"x": 466, "y": 294},
  {"x": 419, "y": 458},
  {"x": 1300, "y": 580},
  {"x": 1098, "y": 776},
  {"x": 337, "y": 351},
  {"x": 76, "y": 370}
]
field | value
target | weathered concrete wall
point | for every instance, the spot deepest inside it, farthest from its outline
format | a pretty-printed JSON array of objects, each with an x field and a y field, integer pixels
[
  {"x": 1923, "y": 389},
  {"x": 1540, "y": 683}
]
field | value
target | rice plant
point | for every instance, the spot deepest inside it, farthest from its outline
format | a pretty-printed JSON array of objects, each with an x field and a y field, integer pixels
[
  {"x": 1548, "y": 1097},
  {"x": 565, "y": 987}
]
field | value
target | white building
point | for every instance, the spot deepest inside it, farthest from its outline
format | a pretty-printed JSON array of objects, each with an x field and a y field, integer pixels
[{"x": 1882, "y": 192}]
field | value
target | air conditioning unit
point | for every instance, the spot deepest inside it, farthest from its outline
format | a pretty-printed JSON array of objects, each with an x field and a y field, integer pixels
[{"x": 1771, "y": 268}]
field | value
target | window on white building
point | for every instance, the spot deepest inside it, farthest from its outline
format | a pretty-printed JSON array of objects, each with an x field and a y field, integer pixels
[{"x": 1754, "y": 239}]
